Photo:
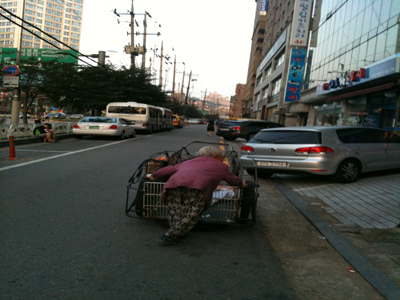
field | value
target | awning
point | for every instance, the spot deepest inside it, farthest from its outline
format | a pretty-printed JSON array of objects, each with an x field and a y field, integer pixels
[{"x": 362, "y": 92}]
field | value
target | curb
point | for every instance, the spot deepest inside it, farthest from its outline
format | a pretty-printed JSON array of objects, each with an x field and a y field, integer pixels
[{"x": 32, "y": 140}]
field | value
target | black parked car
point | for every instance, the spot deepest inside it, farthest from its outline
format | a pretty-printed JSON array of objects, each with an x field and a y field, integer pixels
[{"x": 243, "y": 128}]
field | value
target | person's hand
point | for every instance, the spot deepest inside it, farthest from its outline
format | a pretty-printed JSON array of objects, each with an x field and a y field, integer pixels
[
  {"x": 245, "y": 185},
  {"x": 149, "y": 177}
]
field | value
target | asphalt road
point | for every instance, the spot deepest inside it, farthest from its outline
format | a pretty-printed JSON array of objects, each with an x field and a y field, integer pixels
[{"x": 64, "y": 234}]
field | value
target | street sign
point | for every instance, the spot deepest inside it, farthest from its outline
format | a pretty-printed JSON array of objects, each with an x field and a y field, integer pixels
[
  {"x": 10, "y": 70},
  {"x": 10, "y": 81},
  {"x": 9, "y": 55}
]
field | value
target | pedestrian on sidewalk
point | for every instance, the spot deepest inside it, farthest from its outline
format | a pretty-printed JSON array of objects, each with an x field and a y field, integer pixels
[
  {"x": 189, "y": 188},
  {"x": 210, "y": 127}
]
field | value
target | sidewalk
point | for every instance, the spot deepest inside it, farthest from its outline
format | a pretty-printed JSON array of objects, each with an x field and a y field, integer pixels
[
  {"x": 317, "y": 249},
  {"x": 319, "y": 228}
]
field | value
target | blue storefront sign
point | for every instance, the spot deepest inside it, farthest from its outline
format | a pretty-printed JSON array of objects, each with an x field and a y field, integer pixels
[
  {"x": 295, "y": 75},
  {"x": 264, "y": 5},
  {"x": 379, "y": 69}
]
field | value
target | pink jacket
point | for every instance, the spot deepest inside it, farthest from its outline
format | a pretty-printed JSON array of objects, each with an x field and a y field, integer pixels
[{"x": 202, "y": 173}]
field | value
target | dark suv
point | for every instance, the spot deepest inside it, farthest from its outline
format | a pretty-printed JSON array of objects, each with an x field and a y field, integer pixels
[{"x": 244, "y": 128}]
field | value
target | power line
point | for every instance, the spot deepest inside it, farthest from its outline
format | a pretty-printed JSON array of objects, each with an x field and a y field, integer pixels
[{"x": 24, "y": 28}]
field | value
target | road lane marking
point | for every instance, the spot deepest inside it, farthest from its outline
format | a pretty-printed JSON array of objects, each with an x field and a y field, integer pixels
[
  {"x": 22, "y": 150},
  {"x": 60, "y": 155}
]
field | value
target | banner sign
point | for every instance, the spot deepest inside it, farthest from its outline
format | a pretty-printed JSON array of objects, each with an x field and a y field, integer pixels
[
  {"x": 301, "y": 21},
  {"x": 295, "y": 74}
]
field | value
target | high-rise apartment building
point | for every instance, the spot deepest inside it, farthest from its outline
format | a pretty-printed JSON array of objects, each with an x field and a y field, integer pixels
[{"x": 60, "y": 19}]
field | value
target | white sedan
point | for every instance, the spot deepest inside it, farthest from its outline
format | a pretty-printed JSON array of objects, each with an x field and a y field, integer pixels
[{"x": 104, "y": 126}]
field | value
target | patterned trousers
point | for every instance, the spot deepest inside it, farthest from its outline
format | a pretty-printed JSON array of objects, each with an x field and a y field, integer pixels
[{"x": 184, "y": 207}]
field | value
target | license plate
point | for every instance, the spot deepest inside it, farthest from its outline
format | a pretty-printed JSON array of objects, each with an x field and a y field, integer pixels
[
  {"x": 93, "y": 127},
  {"x": 224, "y": 129},
  {"x": 272, "y": 164}
]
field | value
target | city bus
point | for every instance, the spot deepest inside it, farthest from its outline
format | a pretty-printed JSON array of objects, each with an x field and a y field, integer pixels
[
  {"x": 166, "y": 118},
  {"x": 144, "y": 116}
]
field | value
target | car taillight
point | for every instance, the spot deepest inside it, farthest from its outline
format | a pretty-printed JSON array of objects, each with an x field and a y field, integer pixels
[
  {"x": 314, "y": 150},
  {"x": 247, "y": 148},
  {"x": 113, "y": 127},
  {"x": 236, "y": 128},
  {"x": 146, "y": 124},
  {"x": 76, "y": 126}
]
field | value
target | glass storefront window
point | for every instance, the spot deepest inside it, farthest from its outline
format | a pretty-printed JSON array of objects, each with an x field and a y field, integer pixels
[
  {"x": 395, "y": 8},
  {"x": 391, "y": 41},
  {"x": 375, "y": 9},
  {"x": 371, "y": 51},
  {"x": 380, "y": 46}
]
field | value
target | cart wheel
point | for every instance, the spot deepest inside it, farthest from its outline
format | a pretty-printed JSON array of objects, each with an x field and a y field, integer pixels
[
  {"x": 248, "y": 203},
  {"x": 139, "y": 198}
]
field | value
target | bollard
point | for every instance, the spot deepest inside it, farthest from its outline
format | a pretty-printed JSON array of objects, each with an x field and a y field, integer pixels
[{"x": 12, "y": 147}]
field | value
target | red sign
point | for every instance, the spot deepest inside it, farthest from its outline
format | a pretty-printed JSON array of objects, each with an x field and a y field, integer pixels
[
  {"x": 10, "y": 70},
  {"x": 356, "y": 75}
]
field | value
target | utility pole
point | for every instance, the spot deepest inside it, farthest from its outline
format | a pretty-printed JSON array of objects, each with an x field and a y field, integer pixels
[
  {"x": 144, "y": 42},
  {"x": 173, "y": 81},
  {"x": 101, "y": 56},
  {"x": 202, "y": 106},
  {"x": 183, "y": 79},
  {"x": 161, "y": 61},
  {"x": 187, "y": 90},
  {"x": 133, "y": 53},
  {"x": 16, "y": 102}
]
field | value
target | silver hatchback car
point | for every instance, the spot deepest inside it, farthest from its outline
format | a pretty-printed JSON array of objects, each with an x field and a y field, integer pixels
[{"x": 343, "y": 152}]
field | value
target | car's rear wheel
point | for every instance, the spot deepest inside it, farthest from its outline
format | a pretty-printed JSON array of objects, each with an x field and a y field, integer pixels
[
  {"x": 78, "y": 136},
  {"x": 348, "y": 171},
  {"x": 122, "y": 136}
]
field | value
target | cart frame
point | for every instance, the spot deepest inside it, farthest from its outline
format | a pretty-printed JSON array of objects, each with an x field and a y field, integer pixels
[{"x": 231, "y": 205}]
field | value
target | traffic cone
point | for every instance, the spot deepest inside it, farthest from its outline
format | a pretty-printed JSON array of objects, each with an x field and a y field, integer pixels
[{"x": 12, "y": 147}]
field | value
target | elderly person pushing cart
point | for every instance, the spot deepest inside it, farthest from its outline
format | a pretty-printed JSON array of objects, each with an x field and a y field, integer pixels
[{"x": 189, "y": 188}]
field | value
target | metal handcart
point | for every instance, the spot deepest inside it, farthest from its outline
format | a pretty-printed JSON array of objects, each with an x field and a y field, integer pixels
[{"x": 230, "y": 205}]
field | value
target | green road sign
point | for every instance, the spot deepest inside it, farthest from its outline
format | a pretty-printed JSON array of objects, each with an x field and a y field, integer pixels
[{"x": 9, "y": 55}]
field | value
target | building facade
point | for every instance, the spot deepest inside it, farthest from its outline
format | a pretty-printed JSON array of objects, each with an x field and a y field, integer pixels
[
  {"x": 356, "y": 72},
  {"x": 272, "y": 70},
  {"x": 349, "y": 63},
  {"x": 255, "y": 58},
  {"x": 236, "y": 104},
  {"x": 60, "y": 19}
]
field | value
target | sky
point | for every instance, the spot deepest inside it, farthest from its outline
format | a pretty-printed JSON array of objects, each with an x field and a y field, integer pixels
[{"x": 212, "y": 38}]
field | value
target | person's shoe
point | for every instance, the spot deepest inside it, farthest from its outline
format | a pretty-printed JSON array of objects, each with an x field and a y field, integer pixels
[{"x": 166, "y": 241}]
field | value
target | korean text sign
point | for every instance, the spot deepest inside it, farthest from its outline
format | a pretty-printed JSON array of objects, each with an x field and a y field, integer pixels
[
  {"x": 301, "y": 22},
  {"x": 295, "y": 75}
]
